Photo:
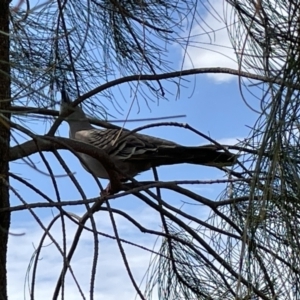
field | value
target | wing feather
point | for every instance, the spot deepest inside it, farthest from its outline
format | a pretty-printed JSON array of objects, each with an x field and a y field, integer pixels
[{"x": 125, "y": 145}]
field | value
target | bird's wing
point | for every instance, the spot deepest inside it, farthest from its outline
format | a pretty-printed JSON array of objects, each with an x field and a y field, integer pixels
[
  {"x": 125, "y": 145},
  {"x": 144, "y": 150}
]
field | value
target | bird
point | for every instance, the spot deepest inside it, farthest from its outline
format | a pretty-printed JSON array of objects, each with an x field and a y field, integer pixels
[{"x": 134, "y": 153}]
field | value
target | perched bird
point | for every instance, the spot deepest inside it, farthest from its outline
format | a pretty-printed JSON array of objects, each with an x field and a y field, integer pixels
[{"x": 133, "y": 153}]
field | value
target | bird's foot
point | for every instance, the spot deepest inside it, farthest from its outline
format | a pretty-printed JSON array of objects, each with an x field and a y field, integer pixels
[{"x": 107, "y": 191}]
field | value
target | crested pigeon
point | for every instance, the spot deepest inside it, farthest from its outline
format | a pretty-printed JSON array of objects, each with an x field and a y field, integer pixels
[{"x": 133, "y": 153}]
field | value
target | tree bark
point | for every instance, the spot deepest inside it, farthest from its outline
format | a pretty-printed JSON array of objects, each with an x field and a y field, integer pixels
[{"x": 4, "y": 142}]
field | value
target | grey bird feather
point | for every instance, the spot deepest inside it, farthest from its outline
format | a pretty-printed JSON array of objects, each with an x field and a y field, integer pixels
[{"x": 134, "y": 153}]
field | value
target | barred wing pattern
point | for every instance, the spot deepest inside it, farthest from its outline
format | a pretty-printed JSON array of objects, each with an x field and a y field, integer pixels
[
  {"x": 150, "y": 151},
  {"x": 126, "y": 145}
]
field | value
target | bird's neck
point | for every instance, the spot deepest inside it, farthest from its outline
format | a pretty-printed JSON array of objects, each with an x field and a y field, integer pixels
[{"x": 77, "y": 125}]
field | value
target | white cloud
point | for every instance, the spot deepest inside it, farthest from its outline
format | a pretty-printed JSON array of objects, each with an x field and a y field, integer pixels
[
  {"x": 210, "y": 45},
  {"x": 112, "y": 281},
  {"x": 230, "y": 141}
]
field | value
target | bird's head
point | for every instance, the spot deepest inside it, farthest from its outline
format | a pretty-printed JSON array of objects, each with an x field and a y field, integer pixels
[{"x": 69, "y": 112}]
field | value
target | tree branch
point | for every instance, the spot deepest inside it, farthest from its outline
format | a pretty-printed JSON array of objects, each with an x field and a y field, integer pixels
[{"x": 47, "y": 143}]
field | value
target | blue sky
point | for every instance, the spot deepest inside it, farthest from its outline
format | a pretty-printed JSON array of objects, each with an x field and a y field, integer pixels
[{"x": 212, "y": 104}]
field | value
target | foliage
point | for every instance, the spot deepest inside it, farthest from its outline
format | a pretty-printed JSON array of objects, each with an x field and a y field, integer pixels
[{"x": 247, "y": 248}]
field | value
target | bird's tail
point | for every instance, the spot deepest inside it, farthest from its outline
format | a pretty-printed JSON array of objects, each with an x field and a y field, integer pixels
[{"x": 209, "y": 155}]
